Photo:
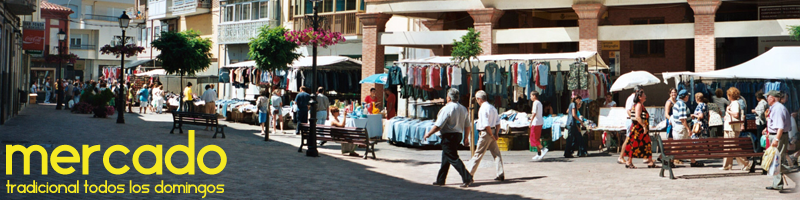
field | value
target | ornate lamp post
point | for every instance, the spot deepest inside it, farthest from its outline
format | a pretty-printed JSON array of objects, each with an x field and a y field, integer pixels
[
  {"x": 124, "y": 20},
  {"x": 62, "y": 36},
  {"x": 312, "y": 137}
]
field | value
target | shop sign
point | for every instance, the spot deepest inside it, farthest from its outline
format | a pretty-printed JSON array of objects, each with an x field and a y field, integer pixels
[
  {"x": 779, "y": 12},
  {"x": 610, "y": 45},
  {"x": 33, "y": 36}
]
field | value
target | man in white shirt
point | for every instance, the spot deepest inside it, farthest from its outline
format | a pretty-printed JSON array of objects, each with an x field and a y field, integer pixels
[
  {"x": 536, "y": 126},
  {"x": 488, "y": 125},
  {"x": 451, "y": 122},
  {"x": 210, "y": 97}
]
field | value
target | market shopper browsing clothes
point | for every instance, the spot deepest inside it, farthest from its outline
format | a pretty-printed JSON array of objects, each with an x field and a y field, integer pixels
[
  {"x": 451, "y": 122},
  {"x": 488, "y": 125},
  {"x": 574, "y": 123}
]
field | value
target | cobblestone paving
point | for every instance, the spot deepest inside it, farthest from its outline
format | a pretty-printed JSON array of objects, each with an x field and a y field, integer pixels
[{"x": 274, "y": 170}]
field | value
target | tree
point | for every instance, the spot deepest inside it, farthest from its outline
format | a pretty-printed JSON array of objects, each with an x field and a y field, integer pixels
[
  {"x": 794, "y": 31},
  {"x": 184, "y": 53},
  {"x": 272, "y": 51},
  {"x": 465, "y": 50}
]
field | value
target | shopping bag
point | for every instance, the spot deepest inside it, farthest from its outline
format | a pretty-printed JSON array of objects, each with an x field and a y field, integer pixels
[
  {"x": 766, "y": 159},
  {"x": 775, "y": 166}
]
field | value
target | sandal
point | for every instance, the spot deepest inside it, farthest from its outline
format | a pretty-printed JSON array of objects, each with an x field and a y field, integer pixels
[
  {"x": 653, "y": 165},
  {"x": 630, "y": 166}
]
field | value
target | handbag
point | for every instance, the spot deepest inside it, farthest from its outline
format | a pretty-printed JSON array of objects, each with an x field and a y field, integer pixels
[{"x": 697, "y": 127}]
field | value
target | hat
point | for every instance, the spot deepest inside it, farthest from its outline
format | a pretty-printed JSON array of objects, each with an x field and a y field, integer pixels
[
  {"x": 774, "y": 93},
  {"x": 682, "y": 93}
]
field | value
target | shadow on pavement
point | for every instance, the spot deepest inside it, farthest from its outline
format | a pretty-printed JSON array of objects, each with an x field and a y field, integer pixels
[
  {"x": 725, "y": 175},
  {"x": 255, "y": 169},
  {"x": 507, "y": 181}
]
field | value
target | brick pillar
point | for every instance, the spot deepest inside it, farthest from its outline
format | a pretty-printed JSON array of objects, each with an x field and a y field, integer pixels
[
  {"x": 435, "y": 25},
  {"x": 484, "y": 21},
  {"x": 704, "y": 41},
  {"x": 371, "y": 51},
  {"x": 588, "y": 16}
]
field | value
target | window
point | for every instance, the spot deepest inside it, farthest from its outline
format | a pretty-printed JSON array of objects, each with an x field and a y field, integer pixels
[
  {"x": 76, "y": 11},
  {"x": 87, "y": 10},
  {"x": 228, "y": 13},
  {"x": 327, "y": 6},
  {"x": 156, "y": 32},
  {"x": 647, "y": 48},
  {"x": 254, "y": 12},
  {"x": 245, "y": 12},
  {"x": 264, "y": 9},
  {"x": 350, "y": 5}
]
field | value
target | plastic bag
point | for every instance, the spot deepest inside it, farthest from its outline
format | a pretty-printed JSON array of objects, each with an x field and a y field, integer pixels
[
  {"x": 766, "y": 160},
  {"x": 775, "y": 166}
]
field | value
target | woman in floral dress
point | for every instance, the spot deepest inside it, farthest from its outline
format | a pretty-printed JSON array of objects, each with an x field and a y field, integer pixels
[{"x": 639, "y": 145}]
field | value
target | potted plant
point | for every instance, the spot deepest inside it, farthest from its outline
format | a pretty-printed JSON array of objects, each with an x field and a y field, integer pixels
[{"x": 98, "y": 101}]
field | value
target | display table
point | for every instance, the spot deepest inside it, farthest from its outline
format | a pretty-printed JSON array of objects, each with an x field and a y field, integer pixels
[{"x": 373, "y": 124}]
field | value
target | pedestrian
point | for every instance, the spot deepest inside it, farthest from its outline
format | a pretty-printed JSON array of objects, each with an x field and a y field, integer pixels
[
  {"x": 574, "y": 123},
  {"x": 536, "y": 127},
  {"x": 59, "y": 94},
  {"x": 608, "y": 101},
  {"x": 488, "y": 125},
  {"x": 680, "y": 125},
  {"x": 262, "y": 103},
  {"x": 158, "y": 99},
  {"x": 734, "y": 120},
  {"x": 778, "y": 125},
  {"x": 322, "y": 106},
  {"x": 761, "y": 120},
  {"x": 277, "y": 110},
  {"x": 48, "y": 89},
  {"x": 372, "y": 99},
  {"x": 302, "y": 100},
  {"x": 391, "y": 104},
  {"x": 144, "y": 95},
  {"x": 639, "y": 145},
  {"x": 130, "y": 91},
  {"x": 150, "y": 100},
  {"x": 76, "y": 92},
  {"x": 188, "y": 98},
  {"x": 700, "y": 117},
  {"x": 721, "y": 100},
  {"x": 210, "y": 97},
  {"x": 628, "y": 122},
  {"x": 451, "y": 122},
  {"x": 673, "y": 98}
]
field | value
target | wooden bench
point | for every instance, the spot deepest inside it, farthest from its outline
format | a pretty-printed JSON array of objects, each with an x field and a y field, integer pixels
[
  {"x": 358, "y": 136},
  {"x": 705, "y": 149},
  {"x": 201, "y": 119}
]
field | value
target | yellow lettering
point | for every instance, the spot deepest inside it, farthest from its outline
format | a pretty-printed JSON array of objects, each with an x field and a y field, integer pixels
[
  {"x": 106, "y": 160},
  {"x": 156, "y": 168},
  {"x": 87, "y": 151},
  {"x": 223, "y": 159},
  {"x": 55, "y": 159},
  {"x": 189, "y": 151},
  {"x": 10, "y": 149}
]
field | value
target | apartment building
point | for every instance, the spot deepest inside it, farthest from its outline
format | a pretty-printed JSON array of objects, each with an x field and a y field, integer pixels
[
  {"x": 13, "y": 60},
  {"x": 652, "y": 35}
]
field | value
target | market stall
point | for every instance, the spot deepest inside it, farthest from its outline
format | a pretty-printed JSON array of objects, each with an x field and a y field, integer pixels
[{"x": 507, "y": 79}]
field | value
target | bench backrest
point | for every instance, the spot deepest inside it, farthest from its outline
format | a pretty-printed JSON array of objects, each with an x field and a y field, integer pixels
[
  {"x": 348, "y": 134},
  {"x": 188, "y": 117},
  {"x": 709, "y": 145}
]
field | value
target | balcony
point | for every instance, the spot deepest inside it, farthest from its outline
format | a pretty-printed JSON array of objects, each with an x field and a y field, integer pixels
[
  {"x": 345, "y": 23},
  {"x": 190, "y": 7},
  {"x": 82, "y": 47},
  {"x": 240, "y": 33},
  {"x": 21, "y": 7},
  {"x": 158, "y": 9},
  {"x": 101, "y": 18}
]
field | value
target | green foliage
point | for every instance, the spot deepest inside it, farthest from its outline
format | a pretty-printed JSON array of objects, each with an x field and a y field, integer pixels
[
  {"x": 183, "y": 53},
  {"x": 271, "y": 50},
  {"x": 100, "y": 99},
  {"x": 469, "y": 47},
  {"x": 794, "y": 31}
]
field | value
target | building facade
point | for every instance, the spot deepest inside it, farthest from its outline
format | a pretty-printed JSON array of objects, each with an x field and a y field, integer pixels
[
  {"x": 54, "y": 18},
  {"x": 655, "y": 35},
  {"x": 14, "y": 66}
]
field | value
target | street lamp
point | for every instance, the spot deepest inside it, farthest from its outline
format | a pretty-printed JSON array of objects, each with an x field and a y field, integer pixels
[
  {"x": 124, "y": 20},
  {"x": 312, "y": 137},
  {"x": 59, "y": 98}
]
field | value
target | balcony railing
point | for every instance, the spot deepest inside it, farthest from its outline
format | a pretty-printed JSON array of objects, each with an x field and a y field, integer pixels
[
  {"x": 345, "y": 23},
  {"x": 21, "y": 7},
  {"x": 240, "y": 33},
  {"x": 182, "y": 6},
  {"x": 101, "y": 17},
  {"x": 83, "y": 46}
]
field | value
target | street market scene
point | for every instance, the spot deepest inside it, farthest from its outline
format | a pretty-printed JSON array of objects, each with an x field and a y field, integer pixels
[{"x": 395, "y": 99}]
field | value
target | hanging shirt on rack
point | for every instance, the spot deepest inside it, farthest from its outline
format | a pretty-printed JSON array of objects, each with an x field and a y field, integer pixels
[{"x": 544, "y": 72}]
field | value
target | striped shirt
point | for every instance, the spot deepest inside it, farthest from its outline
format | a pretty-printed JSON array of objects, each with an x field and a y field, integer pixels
[{"x": 679, "y": 111}]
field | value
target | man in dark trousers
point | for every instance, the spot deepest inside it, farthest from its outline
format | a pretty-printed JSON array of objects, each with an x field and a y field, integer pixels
[
  {"x": 301, "y": 100},
  {"x": 451, "y": 122}
]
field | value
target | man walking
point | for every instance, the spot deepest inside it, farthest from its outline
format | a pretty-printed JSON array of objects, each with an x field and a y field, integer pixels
[
  {"x": 301, "y": 100},
  {"x": 778, "y": 124},
  {"x": 322, "y": 106},
  {"x": 451, "y": 122},
  {"x": 488, "y": 125}
]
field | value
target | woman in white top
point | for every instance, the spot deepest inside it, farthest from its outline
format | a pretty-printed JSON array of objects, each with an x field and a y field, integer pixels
[
  {"x": 262, "y": 103},
  {"x": 277, "y": 104},
  {"x": 609, "y": 102},
  {"x": 333, "y": 120},
  {"x": 158, "y": 99},
  {"x": 732, "y": 126},
  {"x": 536, "y": 126}
]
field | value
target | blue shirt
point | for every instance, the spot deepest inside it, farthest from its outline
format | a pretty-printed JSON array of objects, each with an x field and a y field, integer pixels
[
  {"x": 302, "y": 100},
  {"x": 144, "y": 94}
]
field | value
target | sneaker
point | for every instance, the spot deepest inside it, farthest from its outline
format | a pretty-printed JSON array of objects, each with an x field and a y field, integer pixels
[
  {"x": 544, "y": 152},
  {"x": 537, "y": 158}
]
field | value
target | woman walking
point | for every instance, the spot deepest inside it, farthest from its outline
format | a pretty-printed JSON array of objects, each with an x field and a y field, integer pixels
[
  {"x": 673, "y": 95},
  {"x": 144, "y": 96},
  {"x": 263, "y": 110},
  {"x": 734, "y": 118},
  {"x": 639, "y": 145},
  {"x": 574, "y": 137},
  {"x": 158, "y": 99},
  {"x": 277, "y": 106}
]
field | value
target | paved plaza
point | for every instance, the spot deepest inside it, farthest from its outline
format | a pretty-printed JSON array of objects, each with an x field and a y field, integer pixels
[{"x": 275, "y": 170}]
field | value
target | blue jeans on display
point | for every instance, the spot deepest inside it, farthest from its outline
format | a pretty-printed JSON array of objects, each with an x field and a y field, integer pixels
[{"x": 321, "y": 117}]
